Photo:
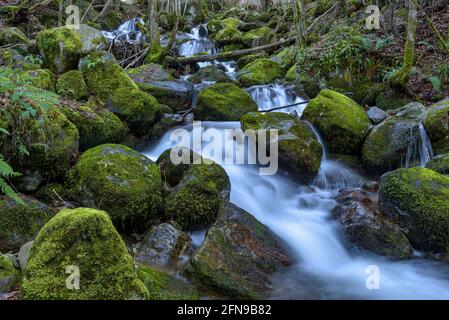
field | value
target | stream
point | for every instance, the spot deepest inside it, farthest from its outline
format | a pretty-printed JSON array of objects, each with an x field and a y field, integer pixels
[{"x": 327, "y": 266}]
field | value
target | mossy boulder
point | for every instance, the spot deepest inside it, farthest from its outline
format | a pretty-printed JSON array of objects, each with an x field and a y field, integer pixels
[
  {"x": 9, "y": 275},
  {"x": 51, "y": 146},
  {"x": 121, "y": 181},
  {"x": 369, "y": 229},
  {"x": 195, "y": 201},
  {"x": 21, "y": 223},
  {"x": 228, "y": 35},
  {"x": 342, "y": 122},
  {"x": 162, "y": 286},
  {"x": 387, "y": 145},
  {"x": 96, "y": 125},
  {"x": 300, "y": 152},
  {"x": 258, "y": 37},
  {"x": 172, "y": 173},
  {"x": 437, "y": 125},
  {"x": 238, "y": 257},
  {"x": 106, "y": 79},
  {"x": 439, "y": 164},
  {"x": 62, "y": 47},
  {"x": 223, "y": 102},
  {"x": 214, "y": 25},
  {"x": 286, "y": 57},
  {"x": 259, "y": 72},
  {"x": 14, "y": 36},
  {"x": 417, "y": 199},
  {"x": 14, "y": 59},
  {"x": 85, "y": 239},
  {"x": 243, "y": 61},
  {"x": 232, "y": 23},
  {"x": 71, "y": 85},
  {"x": 303, "y": 81},
  {"x": 40, "y": 78},
  {"x": 153, "y": 79},
  {"x": 211, "y": 74}
]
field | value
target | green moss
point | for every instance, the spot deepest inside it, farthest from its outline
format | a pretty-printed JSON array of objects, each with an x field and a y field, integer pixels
[
  {"x": 195, "y": 202},
  {"x": 259, "y": 72},
  {"x": 437, "y": 125},
  {"x": 95, "y": 125},
  {"x": 231, "y": 23},
  {"x": 243, "y": 61},
  {"x": 286, "y": 57},
  {"x": 342, "y": 123},
  {"x": 61, "y": 48},
  {"x": 41, "y": 78},
  {"x": 214, "y": 25},
  {"x": 84, "y": 238},
  {"x": 302, "y": 80},
  {"x": 228, "y": 35},
  {"x": 299, "y": 151},
  {"x": 71, "y": 84},
  {"x": 121, "y": 181},
  {"x": 52, "y": 194},
  {"x": 418, "y": 199},
  {"x": 21, "y": 223},
  {"x": 14, "y": 36},
  {"x": 439, "y": 164},
  {"x": 162, "y": 286},
  {"x": 223, "y": 102},
  {"x": 258, "y": 37},
  {"x": 9, "y": 275},
  {"x": 391, "y": 100}
]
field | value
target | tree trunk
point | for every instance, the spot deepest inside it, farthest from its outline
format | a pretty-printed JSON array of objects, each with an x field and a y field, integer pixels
[{"x": 299, "y": 12}]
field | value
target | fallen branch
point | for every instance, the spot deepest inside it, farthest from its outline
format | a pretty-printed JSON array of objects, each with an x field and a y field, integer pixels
[{"x": 225, "y": 56}]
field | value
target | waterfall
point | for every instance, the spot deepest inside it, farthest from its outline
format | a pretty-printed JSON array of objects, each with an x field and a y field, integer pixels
[
  {"x": 419, "y": 149},
  {"x": 276, "y": 95},
  {"x": 127, "y": 32}
]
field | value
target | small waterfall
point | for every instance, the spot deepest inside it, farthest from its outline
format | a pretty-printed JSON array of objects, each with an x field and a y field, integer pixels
[
  {"x": 419, "y": 151},
  {"x": 276, "y": 95},
  {"x": 127, "y": 32}
]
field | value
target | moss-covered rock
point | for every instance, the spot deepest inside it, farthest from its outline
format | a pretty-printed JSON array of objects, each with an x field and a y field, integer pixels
[
  {"x": 300, "y": 152},
  {"x": 71, "y": 85},
  {"x": 228, "y": 35},
  {"x": 417, "y": 199},
  {"x": 223, "y": 102},
  {"x": 153, "y": 79},
  {"x": 262, "y": 71},
  {"x": 340, "y": 120},
  {"x": 286, "y": 57},
  {"x": 237, "y": 257},
  {"x": 300, "y": 79},
  {"x": 40, "y": 78},
  {"x": 21, "y": 223},
  {"x": 389, "y": 99},
  {"x": 195, "y": 201},
  {"x": 13, "y": 59},
  {"x": 96, "y": 125},
  {"x": 439, "y": 164},
  {"x": 214, "y": 25},
  {"x": 162, "y": 286},
  {"x": 121, "y": 181},
  {"x": 106, "y": 79},
  {"x": 53, "y": 194},
  {"x": 232, "y": 23},
  {"x": 62, "y": 47},
  {"x": 437, "y": 125},
  {"x": 9, "y": 275},
  {"x": 243, "y": 61},
  {"x": 172, "y": 173},
  {"x": 211, "y": 74},
  {"x": 387, "y": 145},
  {"x": 258, "y": 37},
  {"x": 83, "y": 239}
]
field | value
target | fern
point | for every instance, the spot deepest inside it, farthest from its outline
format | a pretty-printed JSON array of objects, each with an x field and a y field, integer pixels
[{"x": 7, "y": 172}]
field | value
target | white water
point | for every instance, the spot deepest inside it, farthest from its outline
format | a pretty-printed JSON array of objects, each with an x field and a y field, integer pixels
[
  {"x": 419, "y": 150},
  {"x": 126, "y": 32}
]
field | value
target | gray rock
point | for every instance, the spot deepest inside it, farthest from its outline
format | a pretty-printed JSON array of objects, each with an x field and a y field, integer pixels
[
  {"x": 9, "y": 275},
  {"x": 367, "y": 228},
  {"x": 24, "y": 254},
  {"x": 162, "y": 246},
  {"x": 29, "y": 182},
  {"x": 238, "y": 257},
  {"x": 376, "y": 115}
]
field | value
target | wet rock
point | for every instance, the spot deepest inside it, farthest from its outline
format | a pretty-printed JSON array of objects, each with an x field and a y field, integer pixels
[
  {"x": 437, "y": 125},
  {"x": 238, "y": 257},
  {"x": 228, "y": 35},
  {"x": 162, "y": 246},
  {"x": 300, "y": 152},
  {"x": 439, "y": 164},
  {"x": 417, "y": 199},
  {"x": 369, "y": 229},
  {"x": 223, "y": 102},
  {"x": 258, "y": 37},
  {"x": 85, "y": 239},
  {"x": 153, "y": 79},
  {"x": 121, "y": 181},
  {"x": 376, "y": 115},
  {"x": 211, "y": 74},
  {"x": 29, "y": 181},
  {"x": 387, "y": 144},
  {"x": 342, "y": 122},
  {"x": 371, "y": 186},
  {"x": 21, "y": 223}
]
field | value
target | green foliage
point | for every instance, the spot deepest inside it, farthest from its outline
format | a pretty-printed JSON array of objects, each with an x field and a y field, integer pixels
[
  {"x": 436, "y": 83},
  {"x": 7, "y": 172}
]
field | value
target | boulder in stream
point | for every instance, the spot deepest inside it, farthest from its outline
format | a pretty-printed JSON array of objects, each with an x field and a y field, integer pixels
[
  {"x": 258, "y": 37},
  {"x": 437, "y": 125},
  {"x": 439, "y": 164},
  {"x": 259, "y": 72},
  {"x": 238, "y": 257}
]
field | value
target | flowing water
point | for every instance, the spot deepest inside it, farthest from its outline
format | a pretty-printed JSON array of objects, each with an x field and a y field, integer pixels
[
  {"x": 327, "y": 266},
  {"x": 419, "y": 150}
]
